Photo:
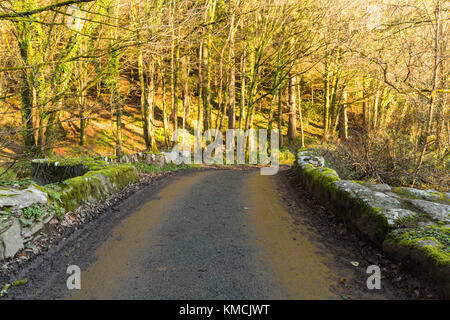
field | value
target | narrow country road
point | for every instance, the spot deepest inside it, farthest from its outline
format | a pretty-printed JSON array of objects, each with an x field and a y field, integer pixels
[{"x": 218, "y": 234}]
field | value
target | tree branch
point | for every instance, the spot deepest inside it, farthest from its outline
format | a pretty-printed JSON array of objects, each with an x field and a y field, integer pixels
[{"x": 8, "y": 16}]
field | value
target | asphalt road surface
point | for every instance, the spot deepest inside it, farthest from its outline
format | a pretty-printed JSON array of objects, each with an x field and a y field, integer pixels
[{"x": 219, "y": 234}]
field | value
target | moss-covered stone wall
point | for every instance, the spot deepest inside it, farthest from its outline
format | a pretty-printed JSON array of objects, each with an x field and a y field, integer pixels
[
  {"x": 96, "y": 185},
  {"x": 45, "y": 171},
  {"x": 415, "y": 233}
]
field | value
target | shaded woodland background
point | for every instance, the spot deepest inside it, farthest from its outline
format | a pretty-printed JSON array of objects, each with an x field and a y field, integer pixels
[{"x": 363, "y": 82}]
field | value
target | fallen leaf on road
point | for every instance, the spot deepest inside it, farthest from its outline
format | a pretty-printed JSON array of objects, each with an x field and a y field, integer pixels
[
  {"x": 20, "y": 282},
  {"x": 161, "y": 269},
  {"x": 4, "y": 290},
  {"x": 354, "y": 263},
  {"x": 342, "y": 280}
]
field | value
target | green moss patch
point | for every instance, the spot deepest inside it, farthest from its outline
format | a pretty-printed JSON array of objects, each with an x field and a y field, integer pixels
[
  {"x": 8, "y": 195},
  {"x": 362, "y": 183},
  {"x": 376, "y": 215},
  {"x": 287, "y": 157},
  {"x": 323, "y": 176},
  {"x": 96, "y": 185},
  {"x": 433, "y": 241}
]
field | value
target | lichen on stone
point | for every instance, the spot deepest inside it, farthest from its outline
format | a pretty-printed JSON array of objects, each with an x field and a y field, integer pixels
[
  {"x": 437, "y": 211},
  {"x": 412, "y": 193}
]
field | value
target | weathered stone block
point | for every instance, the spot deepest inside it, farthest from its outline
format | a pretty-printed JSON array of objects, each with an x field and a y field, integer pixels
[
  {"x": 380, "y": 187},
  {"x": 29, "y": 231},
  {"x": 436, "y": 211},
  {"x": 309, "y": 157},
  {"x": 11, "y": 240},
  {"x": 20, "y": 199},
  {"x": 45, "y": 171},
  {"x": 430, "y": 195}
]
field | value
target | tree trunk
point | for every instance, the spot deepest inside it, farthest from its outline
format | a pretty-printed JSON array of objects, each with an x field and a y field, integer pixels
[
  {"x": 280, "y": 114},
  {"x": 151, "y": 106},
  {"x": 343, "y": 119},
  {"x": 82, "y": 102},
  {"x": 175, "y": 52},
  {"x": 231, "y": 58},
  {"x": 144, "y": 101},
  {"x": 242, "y": 108},
  {"x": 326, "y": 113},
  {"x": 185, "y": 89},
  {"x": 164, "y": 111},
  {"x": 292, "y": 128},
  {"x": 432, "y": 99},
  {"x": 200, "y": 86},
  {"x": 375, "y": 111},
  {"x": 300, "y": 113},
  {"x": 115, "y": 97},
  {"x": 209, "y": 17}
]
